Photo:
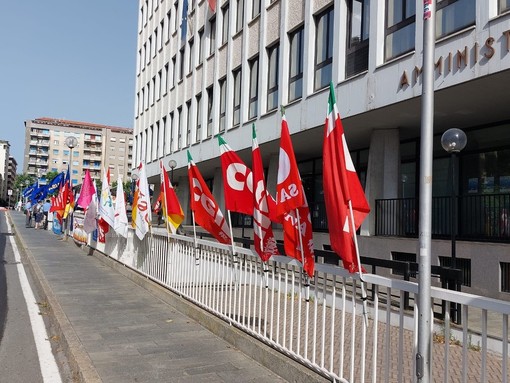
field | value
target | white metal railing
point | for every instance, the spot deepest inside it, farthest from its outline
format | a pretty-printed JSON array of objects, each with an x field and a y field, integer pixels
[{"x": 321, "y": 324}]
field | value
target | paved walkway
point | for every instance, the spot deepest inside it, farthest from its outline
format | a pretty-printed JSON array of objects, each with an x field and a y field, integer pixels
[{"x": 116, "y": 331}]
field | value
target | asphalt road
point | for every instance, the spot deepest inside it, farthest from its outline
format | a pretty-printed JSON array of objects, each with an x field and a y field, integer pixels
[{"x": 19, "y": 360}]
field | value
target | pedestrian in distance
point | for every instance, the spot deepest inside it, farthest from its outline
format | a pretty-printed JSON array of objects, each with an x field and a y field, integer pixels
[
  {"x": 46, "y": 209},
  {"x": 39, "y": 215},
  {"x": 28, "y": 214}
]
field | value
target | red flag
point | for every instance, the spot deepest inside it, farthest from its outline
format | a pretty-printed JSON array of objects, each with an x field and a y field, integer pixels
[
  {"x": 237, "y": 181},
  {"x": 341, "y": 185},
  {"x": 172, "y": 210},
  {"x": 206, "y": 211},
  {"x": 290, "y": 201},
  {"x": 263, "y": 238}
]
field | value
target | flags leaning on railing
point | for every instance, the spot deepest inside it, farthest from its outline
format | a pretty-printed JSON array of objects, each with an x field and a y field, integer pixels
[
  {"x": 86, "y": 192},
  {"x": 141, "y": 213},
  {"x": 205, "y": 209},
  {"x": 120, "y": 222},
  {"x": 292, "y": 206},
  {"x": 172, "y": 210},
  {"x": 263, "y": 238},
  {"x": 341, "y": 188},
  {"x": 90, "y": 219},
  {"x": 54, "y": 184},
  {"x": 106, "y": 209}
]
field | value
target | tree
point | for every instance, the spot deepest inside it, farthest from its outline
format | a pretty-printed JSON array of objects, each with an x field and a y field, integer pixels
[{"x": 23, "y": 180}]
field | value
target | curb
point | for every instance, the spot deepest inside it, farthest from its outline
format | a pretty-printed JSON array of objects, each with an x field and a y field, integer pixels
[{"x": 81, "y": 366}]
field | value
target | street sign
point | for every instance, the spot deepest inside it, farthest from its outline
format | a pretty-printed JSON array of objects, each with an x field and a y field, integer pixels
[{"x": 9, "y": 192}]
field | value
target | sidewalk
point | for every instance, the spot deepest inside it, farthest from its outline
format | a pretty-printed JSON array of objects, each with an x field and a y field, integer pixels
[{"x": 114, "y": 330}]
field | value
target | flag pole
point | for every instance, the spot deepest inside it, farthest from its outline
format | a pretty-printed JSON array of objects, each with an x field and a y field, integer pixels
[
  {"x": 231, "y": 233},
  {"x": 360, "y": 269}
]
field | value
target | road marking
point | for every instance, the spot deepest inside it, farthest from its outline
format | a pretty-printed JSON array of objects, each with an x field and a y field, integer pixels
[{"x": 47, "y": 362}]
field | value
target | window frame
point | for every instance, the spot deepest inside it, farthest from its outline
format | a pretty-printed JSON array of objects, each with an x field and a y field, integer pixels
[
  {"x": 271, "y": 90},
  {"x": 300, "y": 31},
  {"x": 236, "y": 97},
  {"x": 222, "y": 83},
  {"x": 328, "y": 61},
  {"x": 403, "y": 23},
  {"x": 253, "y": 99}
]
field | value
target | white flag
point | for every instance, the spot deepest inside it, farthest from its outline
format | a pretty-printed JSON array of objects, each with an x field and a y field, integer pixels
[
  {"x": 106, "y": 210},
  {"x": 141, "y": 212},
  {"x": 120, "y": 224}
]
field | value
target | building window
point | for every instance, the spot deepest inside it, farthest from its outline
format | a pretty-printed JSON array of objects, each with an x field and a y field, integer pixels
[
  {"x": 55, "y": 151},
  {"x": 158, "y": 85},
  {"x": 358, "y": 33},
  {"x": 225, "y": 26},
  {"x": 191, "y": 56},
  {"x": 168, "y": 32},
  {"x": 237, "y": 97},
  {"x": 176, "y": 19},
  {"x": 212, "y": 35},
  {"x": 504, "y": 5},
  {"x": 272, "y": 77},
  {"x": 188, "y": 123},
  {"x": 296, "y": 64},
  {"x": 239, "y": 15},
  {"x": 200, "y": 45},
  {"x": 255, "y": 10},
  {"x": 164, "y": 80},
  {"x": 323, "y": 49},
  {"x": 400, "y": 27},
  {"x": 210, "y": 102},
  {"x": 181, "y": 64},
  {"x": 454, "y": 15},
  {"x": 505, "y": 277},
  {"x": 171, "y": 131},
  {"x": 199, "y": 118},
  {"x": 174, "y": 69},
  {"x": 254, "y": 88},
  {"x": 223, "y": 103},
  {"x": 464, "y": 264},
  {"x": 179, "y": 128}
]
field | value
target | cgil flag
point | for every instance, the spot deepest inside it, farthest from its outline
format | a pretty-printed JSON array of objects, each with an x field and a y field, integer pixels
[
  {"x": 141, "y": 213},
  {"x": 106, "y": 209},
  {"x": 206, "y": 211},
  {"x": 120, "y": 222},
  {"x": 292, "y": 207},
  {"x": 341, "y": 188},
  {"x": 172, "y": 210},
  {"x": 238, "y": 180},
  {"x": 263, "y": 238}
]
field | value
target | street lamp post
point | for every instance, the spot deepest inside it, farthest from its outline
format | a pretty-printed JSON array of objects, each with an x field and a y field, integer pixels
[
  {"x": 173, "y": 165},
  {"x": 71, "y": 142},
  {"x": 453, "y": 141}
]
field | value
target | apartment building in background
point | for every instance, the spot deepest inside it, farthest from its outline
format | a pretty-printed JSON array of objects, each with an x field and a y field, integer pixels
[
  {"x": 220, "y": 71},
  {"x": 4, "y": 168},
  {"x": 98, "y": 146},
  {"x": 11, "y": 177}
]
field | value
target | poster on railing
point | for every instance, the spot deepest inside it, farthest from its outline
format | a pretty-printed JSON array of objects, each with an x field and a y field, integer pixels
[{"x": 79, "y": 234}]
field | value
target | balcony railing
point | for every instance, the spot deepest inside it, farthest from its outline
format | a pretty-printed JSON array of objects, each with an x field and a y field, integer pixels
[{"x": 480, "y": 217}]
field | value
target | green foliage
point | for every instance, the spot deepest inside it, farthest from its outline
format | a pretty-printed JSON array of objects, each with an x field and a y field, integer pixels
[{"x": 23, "y": 180}]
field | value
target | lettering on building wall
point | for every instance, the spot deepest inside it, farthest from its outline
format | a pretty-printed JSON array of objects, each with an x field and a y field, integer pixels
[{"x": 457, "y": 60}]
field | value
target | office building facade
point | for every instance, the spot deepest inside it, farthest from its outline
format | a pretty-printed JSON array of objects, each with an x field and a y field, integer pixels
[
  {"x": 219, "y": 72},
  {"x": 98, "y": 147}
]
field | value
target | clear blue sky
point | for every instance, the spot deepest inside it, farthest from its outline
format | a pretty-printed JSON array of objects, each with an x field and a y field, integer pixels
[{"x": 69, "y": 59}]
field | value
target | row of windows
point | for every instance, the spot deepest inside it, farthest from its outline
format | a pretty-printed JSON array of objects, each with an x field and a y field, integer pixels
[{"x": 400, "y": 38}]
